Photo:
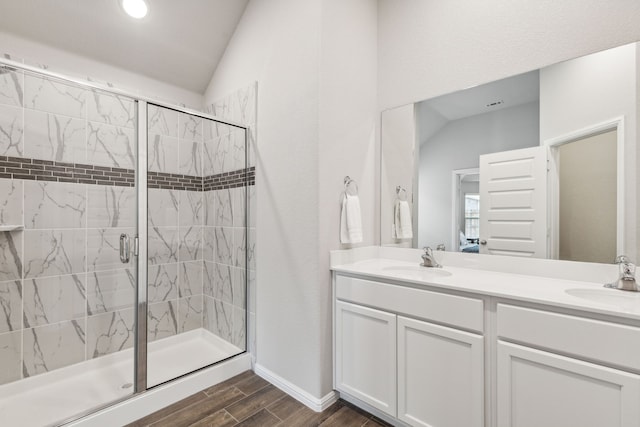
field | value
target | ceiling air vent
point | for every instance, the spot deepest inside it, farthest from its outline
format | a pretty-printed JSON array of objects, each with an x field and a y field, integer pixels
[{"x": 495, "y": 103}]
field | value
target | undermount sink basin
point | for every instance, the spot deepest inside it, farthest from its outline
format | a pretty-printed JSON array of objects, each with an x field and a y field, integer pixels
[
  {"x": 621, "y": 299},
  {"x": 418, "y": 271}
]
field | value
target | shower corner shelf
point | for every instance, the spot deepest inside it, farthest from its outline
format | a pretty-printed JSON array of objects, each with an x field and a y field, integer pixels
[{"x": 11, "y": 227}]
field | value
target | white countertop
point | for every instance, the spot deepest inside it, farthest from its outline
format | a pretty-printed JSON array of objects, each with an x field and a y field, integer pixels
[{"x": 529, "y": 288}]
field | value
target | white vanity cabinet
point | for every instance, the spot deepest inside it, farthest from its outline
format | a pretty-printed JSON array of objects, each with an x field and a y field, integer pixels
[
  {"x": 440, "y": 381},
  {"x": 558, "y": 388},
  {"x": 480, "y": 348},
  {"x": 537, "y": 388},
  {"x": 365, "y": 355},
  {"x": 393, "y": 354}
]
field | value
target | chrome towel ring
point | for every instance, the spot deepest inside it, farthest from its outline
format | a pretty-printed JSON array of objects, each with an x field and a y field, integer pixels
[
  {"x": 350, "y": 186},
  {"x": 401, "y": 193}
]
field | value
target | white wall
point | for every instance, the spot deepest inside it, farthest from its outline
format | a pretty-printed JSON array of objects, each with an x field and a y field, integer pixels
[
  {"x": 73, "y": 65},
  {"x": 584, "y": 92},
  {"x": 277, "y": 44},
  {"x": 315, "y": 63},
  {"x": 430, "y": 47},
  {"x": 347, "y": 145},
  {"x": 458, "y": 145}
]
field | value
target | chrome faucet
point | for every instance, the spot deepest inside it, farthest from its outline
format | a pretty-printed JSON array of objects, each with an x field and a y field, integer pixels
[
  {"x": 428, "y": 260},
  {"x": 627, "y": 279}
]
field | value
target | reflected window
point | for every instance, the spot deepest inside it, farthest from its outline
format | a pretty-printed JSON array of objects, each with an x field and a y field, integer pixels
[{"x": 472, "y": 216}]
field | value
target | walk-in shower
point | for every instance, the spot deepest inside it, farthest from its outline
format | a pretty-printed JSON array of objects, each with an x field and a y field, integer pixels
[{"x": 123, "y": 230}]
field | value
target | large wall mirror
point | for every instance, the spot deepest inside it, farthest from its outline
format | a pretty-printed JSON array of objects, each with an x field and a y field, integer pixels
[{"x": 541, "y": 164}]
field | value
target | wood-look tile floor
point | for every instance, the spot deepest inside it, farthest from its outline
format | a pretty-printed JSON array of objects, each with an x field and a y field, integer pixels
[{"x": 248, "y": 400}]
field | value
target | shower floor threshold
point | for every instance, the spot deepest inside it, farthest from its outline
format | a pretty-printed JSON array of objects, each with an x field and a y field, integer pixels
[{"x": 51, "y": 397}]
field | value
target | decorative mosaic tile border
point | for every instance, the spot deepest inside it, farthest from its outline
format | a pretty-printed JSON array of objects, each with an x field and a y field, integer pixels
[
  {"x": 48, "y": 170},
  {"x": 234, "y": 179},
  {"x": 171, "y": 181}
]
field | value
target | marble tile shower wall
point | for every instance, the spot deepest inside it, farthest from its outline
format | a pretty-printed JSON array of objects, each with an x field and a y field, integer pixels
[
  {"x": 64, "y": 295},
  {"x": 241, "y": 107}
]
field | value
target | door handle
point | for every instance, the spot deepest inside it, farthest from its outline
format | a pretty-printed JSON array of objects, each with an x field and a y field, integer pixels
[
  {"x": 483, "y": 242},
  {"x": 124, "y": 248}
]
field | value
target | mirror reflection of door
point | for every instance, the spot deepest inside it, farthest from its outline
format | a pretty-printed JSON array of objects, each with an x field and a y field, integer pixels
[
  {"x": 513, "y": 212},
  {"x": 587, "y": 173}
]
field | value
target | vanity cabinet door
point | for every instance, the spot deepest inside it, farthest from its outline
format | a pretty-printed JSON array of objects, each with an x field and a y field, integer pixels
[
  {"x": 440, "y": 375},
  {"x": 365, "y": 355},
  {"x": 536, "y": 388}
]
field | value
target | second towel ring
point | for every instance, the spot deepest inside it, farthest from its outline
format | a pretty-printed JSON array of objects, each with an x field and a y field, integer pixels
[
  {"x": 350, "y": 186},
  {"x": 400, "y": 192}
]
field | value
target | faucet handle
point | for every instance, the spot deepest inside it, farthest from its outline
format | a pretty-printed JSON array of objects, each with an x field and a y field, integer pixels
[
  {"x": 428, "y": 258},
  {"x": 622, "y": 259},
  {"x": 627, "y": 271},
  {"x": 627, "y": 279}
]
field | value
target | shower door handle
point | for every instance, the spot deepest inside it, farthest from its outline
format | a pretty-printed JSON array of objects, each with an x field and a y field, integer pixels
[{"x": 124, "y": 248}]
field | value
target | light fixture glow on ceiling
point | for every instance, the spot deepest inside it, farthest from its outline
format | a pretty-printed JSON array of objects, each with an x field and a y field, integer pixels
[{"x": 135, "y": 8}]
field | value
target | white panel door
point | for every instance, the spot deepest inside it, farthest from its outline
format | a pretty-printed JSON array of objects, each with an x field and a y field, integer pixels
[
  {"x": 513, "y": 202},
  {"x": 365, "y": 346},
  {"x": 440, "y": 375},
  {"x": 536, "y": 389}
]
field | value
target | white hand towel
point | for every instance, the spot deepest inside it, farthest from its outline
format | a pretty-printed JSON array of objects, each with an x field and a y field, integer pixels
[
  {"x": 344, "y": 234},
  {"x": 402, "y": 219},
  {"x": 350, "y": 220},
  {"x": 396, "y": 220}
]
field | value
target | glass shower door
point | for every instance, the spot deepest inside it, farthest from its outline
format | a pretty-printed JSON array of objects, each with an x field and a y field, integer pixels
[
  {"x": 67, "y": 292},
  {"x": 196, "y": 243}
]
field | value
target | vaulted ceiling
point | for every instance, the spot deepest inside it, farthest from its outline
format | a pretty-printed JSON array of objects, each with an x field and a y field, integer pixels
[
  {"x": 493, "y": 96},
  {"x": 179, "y": 42}
]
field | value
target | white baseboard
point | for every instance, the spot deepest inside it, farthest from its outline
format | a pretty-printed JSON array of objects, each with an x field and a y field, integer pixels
[{"x": 296, "y": 392}]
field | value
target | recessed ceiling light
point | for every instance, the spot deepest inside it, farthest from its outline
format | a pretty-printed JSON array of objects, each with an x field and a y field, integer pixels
[{"x": 135, "y": 8}]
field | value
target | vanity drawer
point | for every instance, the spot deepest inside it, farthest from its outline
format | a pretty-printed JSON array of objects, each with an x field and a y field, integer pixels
[
  {"x": 454, "y": 310},
  {"x": 609, "y": 343}
]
